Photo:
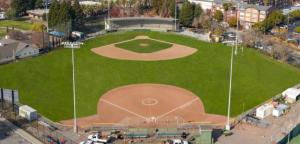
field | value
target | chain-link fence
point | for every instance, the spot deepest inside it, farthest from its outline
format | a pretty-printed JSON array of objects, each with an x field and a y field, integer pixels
[{"x": 40, "y": 129}]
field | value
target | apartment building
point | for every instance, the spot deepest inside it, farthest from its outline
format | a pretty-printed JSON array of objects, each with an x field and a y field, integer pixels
[{"x": 250, "y": 14}]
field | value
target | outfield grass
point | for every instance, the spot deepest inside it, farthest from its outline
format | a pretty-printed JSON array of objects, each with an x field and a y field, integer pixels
[
  {"x": 17, "y": 24},
  {"x": 45, "y": 82},
  {"x": 144, "y": 45},
  {"x": 295, "y": 140}
]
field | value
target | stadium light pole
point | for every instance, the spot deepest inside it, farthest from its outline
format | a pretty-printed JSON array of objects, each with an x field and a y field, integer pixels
[
  {"x": 74, "y": 91},
  {"x": 175, "y": 16},
  {"x": 233, "y": 52},
  {"x": 230, "y": 90}
]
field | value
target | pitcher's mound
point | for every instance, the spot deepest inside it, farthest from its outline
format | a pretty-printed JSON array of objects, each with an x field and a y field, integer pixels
[{"x": 147, "y": 105}]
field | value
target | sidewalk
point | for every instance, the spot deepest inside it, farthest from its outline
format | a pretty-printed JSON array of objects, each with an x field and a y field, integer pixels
[{"x": 21, "y": 132}]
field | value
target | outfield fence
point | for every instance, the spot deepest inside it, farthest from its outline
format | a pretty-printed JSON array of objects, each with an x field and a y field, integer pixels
[{"x": 292, "y": 134}]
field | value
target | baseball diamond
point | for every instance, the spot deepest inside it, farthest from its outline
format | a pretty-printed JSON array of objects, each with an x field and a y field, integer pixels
[{"x": 195, "y": 67}]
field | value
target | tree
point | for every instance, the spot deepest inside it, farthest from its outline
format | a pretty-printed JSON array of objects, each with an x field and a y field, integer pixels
[
  {"x": 172, "y": 8},
  {"x": 187, "y": 14},
  {"x": 54, "y": 14},
  {"x": 297, "y": 29},
  {"x": 232, "y": 21},
  {"x": 227, "y": 6},
  {"x": 77, "y": 15},
  {"x": 218, "y": 15},
  {"x": 38, "y": 4},
  {"x": 197, "y": 10},
  {"x": 38, "y": 27},
  {"x": 11, "y": 13}
]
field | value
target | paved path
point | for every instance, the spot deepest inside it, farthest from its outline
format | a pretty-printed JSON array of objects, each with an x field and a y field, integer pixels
[{"x": 21, "y": 132}]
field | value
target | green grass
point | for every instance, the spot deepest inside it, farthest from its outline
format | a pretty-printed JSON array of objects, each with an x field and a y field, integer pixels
[
  {"x": 45, "y": 82},
  {"x": 2, "y": 32},
  {"x": 17, "y": 24},
  {"x": 295, "y": 140},
  {"x": 144, "y": 45}
]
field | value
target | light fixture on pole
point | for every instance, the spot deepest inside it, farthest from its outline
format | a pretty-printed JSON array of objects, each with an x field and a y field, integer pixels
[
  {"x": 73, "y": 45},
  {"x": 228, "y": 127}
]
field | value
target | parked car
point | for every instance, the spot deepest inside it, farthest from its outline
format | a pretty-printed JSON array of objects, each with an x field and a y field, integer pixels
[{"x": 87, "y": 142}]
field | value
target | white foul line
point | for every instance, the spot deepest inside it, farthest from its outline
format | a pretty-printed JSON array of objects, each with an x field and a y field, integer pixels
[
  {"x": 124, "y": 109},
  {"x": 182, "y": 106}
]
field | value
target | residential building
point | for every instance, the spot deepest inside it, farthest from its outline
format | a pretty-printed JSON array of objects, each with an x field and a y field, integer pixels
[
  {"x": 276, "y": 3},
  {"x": 13, "y": 49},
  {"x": 250, "y": 14},
  {"x": 38, "y": 14}
]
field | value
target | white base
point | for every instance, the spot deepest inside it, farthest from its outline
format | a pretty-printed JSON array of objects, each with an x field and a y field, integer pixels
[{"x": 227, "y": 127}]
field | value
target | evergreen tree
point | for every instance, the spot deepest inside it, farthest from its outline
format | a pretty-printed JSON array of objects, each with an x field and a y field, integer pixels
[
  {"x": 54, "y": 14},
  {"x": 77, "y": 15},
  {"x": 218, "y": 15},
  {"x": 187, "y": 14},
  {"x": 38, "y": 4}
]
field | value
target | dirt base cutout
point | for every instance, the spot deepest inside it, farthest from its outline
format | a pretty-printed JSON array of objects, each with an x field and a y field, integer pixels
[
  {"x": 174, "y": 52},
  {"x": 148, "y": 105}
]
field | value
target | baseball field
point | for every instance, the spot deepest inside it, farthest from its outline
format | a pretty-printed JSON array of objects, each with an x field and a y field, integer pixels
[{"x": 45, "y": 82}]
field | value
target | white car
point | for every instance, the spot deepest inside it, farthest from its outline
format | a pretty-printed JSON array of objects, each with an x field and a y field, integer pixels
[
  {"x": 87, "y": 142},
  {"x": 97, "y": 139},
  {"x": 178, "y": 141}
]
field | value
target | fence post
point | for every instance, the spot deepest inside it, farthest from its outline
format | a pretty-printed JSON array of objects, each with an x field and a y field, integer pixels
[
  {"x": 2, "y": 98},
  {"x": 13, "y": 99}
]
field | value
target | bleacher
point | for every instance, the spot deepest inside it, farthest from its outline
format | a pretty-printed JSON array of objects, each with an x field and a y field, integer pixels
[{"x": 142, "y": 23}]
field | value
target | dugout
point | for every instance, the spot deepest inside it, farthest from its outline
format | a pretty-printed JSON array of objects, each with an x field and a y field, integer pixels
[{"x": 204, "y": 136}]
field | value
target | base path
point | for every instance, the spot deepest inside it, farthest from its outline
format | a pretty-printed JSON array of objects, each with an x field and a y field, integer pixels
[
  {"x": 174, "y": 52},
  {"x": 149, "y": 105}
]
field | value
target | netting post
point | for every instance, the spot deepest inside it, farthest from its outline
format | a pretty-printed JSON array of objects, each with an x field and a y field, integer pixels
[
  {"x": 13, "y": 99},
  {"x": 2, "y": 98}
]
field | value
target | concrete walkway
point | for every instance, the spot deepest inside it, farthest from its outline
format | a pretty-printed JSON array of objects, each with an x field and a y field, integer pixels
[{"x": 21, "y": 132}]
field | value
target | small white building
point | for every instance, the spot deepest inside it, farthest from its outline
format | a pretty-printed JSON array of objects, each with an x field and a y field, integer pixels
[
  {"x": 13, "y": 49},
  {"x": 291, "y": 95},
  {"x": 264, "y": 111},
  {"x": 28, "y": 112},
  {"x": 280, "y": 110},
  {"x": 2, "y": 15}
]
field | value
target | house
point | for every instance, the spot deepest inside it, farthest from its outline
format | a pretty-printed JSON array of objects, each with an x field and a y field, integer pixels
[
  {"x": 38, "y": 14},
  {"x": 249, "y": 14},
  {"x": 13, "y": 49}
]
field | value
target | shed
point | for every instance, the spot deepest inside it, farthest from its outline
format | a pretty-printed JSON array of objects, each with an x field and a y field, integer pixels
[
  {"x": 264, "y": 111},
  {"x": 27, "y": 112},
  {"x": 280, "y": 110},
  {"x": 291, "y": 95}
]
